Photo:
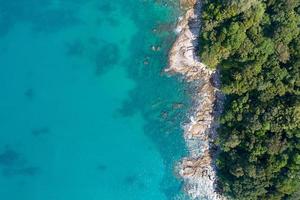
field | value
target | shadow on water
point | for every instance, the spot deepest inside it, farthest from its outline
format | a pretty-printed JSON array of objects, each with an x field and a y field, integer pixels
[{"x": 162, "y": 100}]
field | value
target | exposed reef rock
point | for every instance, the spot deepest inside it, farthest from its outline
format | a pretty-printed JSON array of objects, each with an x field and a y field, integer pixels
[
  {"x": 197, "y": 170},
  {"x": 187, "y": 3}
]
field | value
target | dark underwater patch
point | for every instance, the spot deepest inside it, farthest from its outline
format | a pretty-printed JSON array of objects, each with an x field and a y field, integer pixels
[
  {"x": 106, "y": 7},
  {"x": 13, "y": 164},
  {"x": 54, "y": 20},
  {"x": 102, "y": 167},
  {"x": 26, "y": 171},
  {"x": 134, "y": 181},
  {"x": 29, "y": 93},
  {"x": 40, "y": 131},
  {"x": 75, "y": 48},
  {"x": 5, "y": 24},
  {"x": 107, "y": 56},
  {"x": 130, "y": 180},
  {"x": 9, "y": 158},
  {"x": 36, "y": 12},
  {"x": 93, "y": 40},
  {"x": 113, "y": 21},
  {"x": 162, "y": 101}
]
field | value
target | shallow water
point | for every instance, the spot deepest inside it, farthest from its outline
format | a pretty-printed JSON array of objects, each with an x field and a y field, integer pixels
[{"x": 85, "y": 110}]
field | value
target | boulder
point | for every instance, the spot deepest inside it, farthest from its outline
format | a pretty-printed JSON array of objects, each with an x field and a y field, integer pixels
[{"x": 187, "y": 3}]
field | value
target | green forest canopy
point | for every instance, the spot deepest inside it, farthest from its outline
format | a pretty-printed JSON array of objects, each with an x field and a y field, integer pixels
[{"x": 256, "y": 45}]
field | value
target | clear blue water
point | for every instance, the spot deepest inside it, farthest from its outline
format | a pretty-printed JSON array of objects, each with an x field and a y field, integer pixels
[{"x": 85, "y": 110}]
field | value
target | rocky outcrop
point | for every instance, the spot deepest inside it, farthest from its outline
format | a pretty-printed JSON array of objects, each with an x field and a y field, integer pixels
[
  {"x": 197, "y": 170},
  {"x": 187, "y": 3}
]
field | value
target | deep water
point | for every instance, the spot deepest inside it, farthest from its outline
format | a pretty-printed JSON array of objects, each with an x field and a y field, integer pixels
[{"x": 86, "y": 111}]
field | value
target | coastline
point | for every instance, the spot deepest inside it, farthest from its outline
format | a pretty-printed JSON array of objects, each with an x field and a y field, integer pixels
[{"x": 198, "y": 169}]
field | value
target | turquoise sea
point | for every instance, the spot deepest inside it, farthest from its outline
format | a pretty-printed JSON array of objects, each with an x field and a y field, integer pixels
[{"x": 86, "y": 111}]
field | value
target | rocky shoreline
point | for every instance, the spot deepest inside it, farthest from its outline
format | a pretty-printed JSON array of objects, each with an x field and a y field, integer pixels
[{"x": 197, "y": 170}]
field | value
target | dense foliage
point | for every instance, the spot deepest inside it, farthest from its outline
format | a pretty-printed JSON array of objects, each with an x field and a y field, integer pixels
[{"x": 256, "y": 45}]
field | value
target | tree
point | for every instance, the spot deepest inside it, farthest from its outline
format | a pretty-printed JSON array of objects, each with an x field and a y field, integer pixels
[{"x": 256, "y": 46}]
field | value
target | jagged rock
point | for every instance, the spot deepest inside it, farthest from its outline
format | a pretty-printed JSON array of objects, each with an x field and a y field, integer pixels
[
  {"x": 197, "y": 170},
  {"x": 188, "y": 171},
  {"x": 196, "y": 129},
  {"x": 187, "y": 3}
]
